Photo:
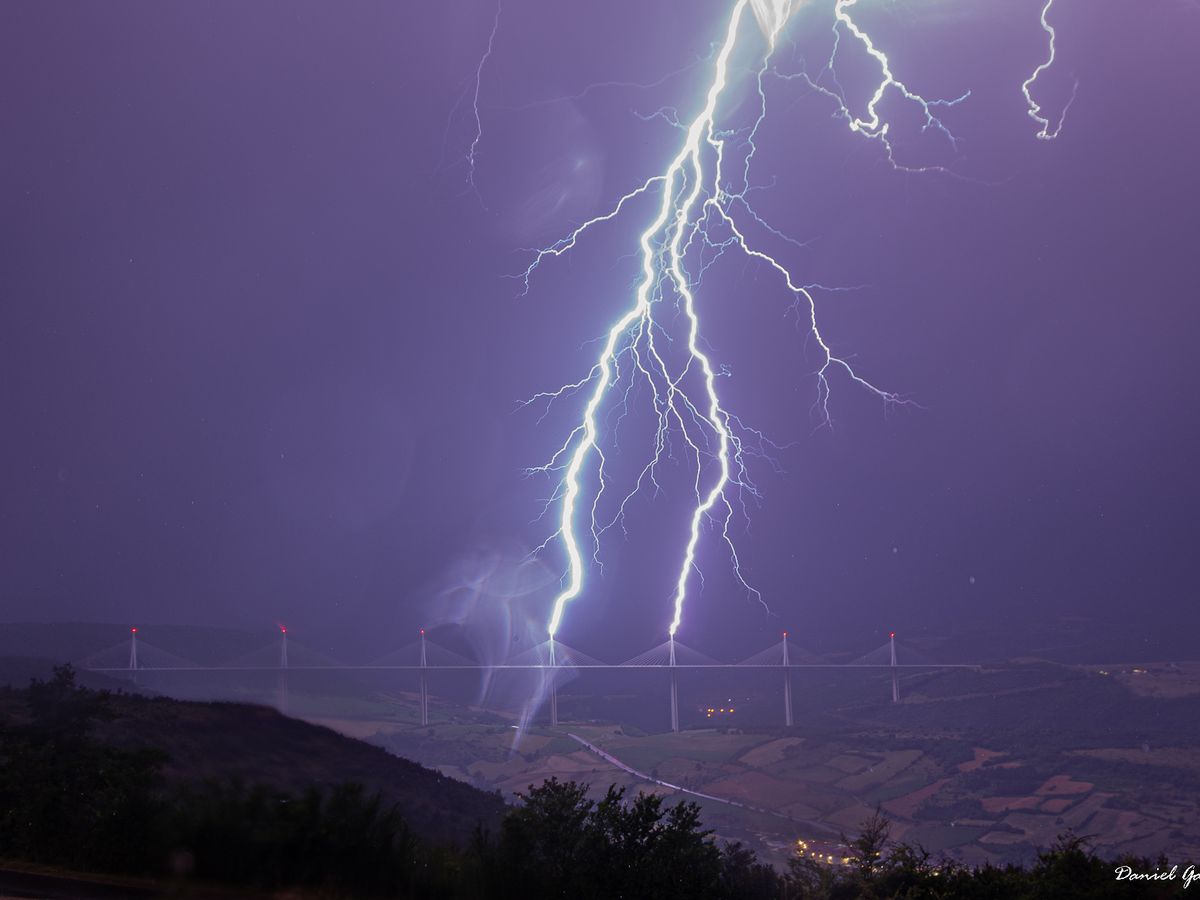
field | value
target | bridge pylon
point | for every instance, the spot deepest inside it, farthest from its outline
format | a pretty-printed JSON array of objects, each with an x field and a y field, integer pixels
[
  {"x": 133, "y": 660},
  {"x": 787, "y": 685},
  {"x": 283, "y": 667},
  {"x": 895, "y": 673},
  {"x": 553, "y": 686},
  {"x": 424, "y": 682},
  {"x": 674, "y": 685}
]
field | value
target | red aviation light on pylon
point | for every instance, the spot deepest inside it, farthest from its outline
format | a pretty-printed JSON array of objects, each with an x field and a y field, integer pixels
[
  {"x": 283, "y": 629},
  {"x": 133, "y": 631},
  {"x": 892, "y": 635},
  {"x": 422, "y": 632}
]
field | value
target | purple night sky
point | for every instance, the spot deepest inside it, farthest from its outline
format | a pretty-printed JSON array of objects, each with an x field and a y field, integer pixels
[{"x": 261, "y": 360}]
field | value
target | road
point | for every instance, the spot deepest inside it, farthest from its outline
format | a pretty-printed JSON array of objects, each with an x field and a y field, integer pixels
[{"x": 612, "y": 760}]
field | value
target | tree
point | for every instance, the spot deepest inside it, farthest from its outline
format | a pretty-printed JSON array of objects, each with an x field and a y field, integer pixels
[
  {"x": 61, "y": 709},
  {"x": 866, "y": 850},
  {"x": 542, "y": 840},
  {"x": 559, "y": 843},
  {"x": 744, "y": 877},
  {"x": 67, "y": 799}
]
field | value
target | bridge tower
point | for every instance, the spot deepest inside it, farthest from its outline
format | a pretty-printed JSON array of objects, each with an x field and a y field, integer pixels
[
  {"x": 553, "y": 686},
  {"x": 674, "y": 685},
  {"x": 283, "y": 667},
  {"x": 133, "y": 660},
  {"x": 895, "y": 674},
  {"x": 424, "y": 682},
  {"x": 787, "y": 685}
]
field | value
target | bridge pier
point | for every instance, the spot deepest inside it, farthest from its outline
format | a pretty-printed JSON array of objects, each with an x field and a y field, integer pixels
[
  {"x": 424, "y": 682},
  {"x": 133, "y": 661},
  {"x": 674, "y": 688},
  {"x": 787, "y": 685},
  {"x": 895, "y": 673},
  {"x": 553, "y": 687},
  {"x": 283, "y": 667}
]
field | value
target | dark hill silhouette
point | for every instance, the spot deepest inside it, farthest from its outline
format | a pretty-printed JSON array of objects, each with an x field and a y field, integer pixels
[
  {"x": 220, "y": 741},
  {"x": 260, "y": 745},
  {"x": 18, "y": 671}
]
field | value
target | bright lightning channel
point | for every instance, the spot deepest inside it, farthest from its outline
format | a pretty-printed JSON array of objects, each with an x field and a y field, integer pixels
[
  {"x": 873, "y": 125},
  {"x": 1046, "y": 133},
  {"x": 689, "y": 203}
]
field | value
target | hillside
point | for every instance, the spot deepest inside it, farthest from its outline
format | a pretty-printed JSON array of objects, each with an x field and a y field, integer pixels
[
  {"x": 261, "y": 746},
  {"x": 18, "y": 671}
]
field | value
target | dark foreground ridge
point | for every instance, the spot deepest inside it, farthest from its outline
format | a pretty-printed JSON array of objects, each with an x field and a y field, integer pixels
[{"x": 195, "y": 742}]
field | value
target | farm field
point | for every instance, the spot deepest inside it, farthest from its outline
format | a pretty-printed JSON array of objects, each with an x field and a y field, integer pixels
[{"x": 965, "y": 794}]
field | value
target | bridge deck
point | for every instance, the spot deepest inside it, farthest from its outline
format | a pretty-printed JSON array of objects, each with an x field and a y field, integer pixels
[{"x": 371, "y": 668}]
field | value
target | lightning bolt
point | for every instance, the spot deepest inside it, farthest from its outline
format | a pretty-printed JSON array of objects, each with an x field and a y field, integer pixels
[
  {"x": 471, "y": 151},
  {"x": 692, "y": 203},
  {"x": 700, "y": 213},
  {"x": 1045, "y": 133},
  {"x": 873, "y": 125}
]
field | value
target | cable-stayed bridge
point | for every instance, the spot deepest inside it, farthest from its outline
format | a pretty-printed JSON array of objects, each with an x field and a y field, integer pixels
[{"x": 552, "y": 658}]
